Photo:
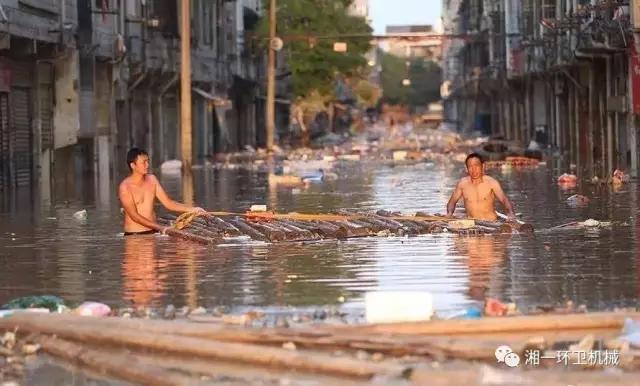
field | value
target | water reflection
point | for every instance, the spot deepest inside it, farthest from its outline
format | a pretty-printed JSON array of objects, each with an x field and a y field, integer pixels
[
  {"x": 485, "y": 256},
  {"x": 53, "y": 253},
  {"x": 143, "y": 272}
]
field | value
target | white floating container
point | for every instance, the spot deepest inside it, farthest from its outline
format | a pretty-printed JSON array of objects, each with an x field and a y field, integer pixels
[
  {"x": 258, "y": 208},
  {"x": 398, "y": 306},
  {"x": 399, "y": 155}
]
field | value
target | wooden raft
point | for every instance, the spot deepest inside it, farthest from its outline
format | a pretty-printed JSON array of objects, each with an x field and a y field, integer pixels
[{"x": 213, "y": 227}]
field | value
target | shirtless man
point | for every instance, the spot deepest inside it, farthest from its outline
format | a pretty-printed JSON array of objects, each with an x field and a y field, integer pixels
[
  {"x": 137, "y": 194},
  {"x": 479, "y": 193}
]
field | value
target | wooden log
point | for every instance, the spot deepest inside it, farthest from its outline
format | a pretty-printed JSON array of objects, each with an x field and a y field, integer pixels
[
  {"x": 364, "y": 220},
  {"x": 86, "y": 332},
  {"x": 312, "y": 227},
  {"x": 371, "y": 226},
  {"x": 355, "y": 230},
  {"x": 198, "y": 229},
  {"x": 301, "y": 233},
  {"x": 339, "y": 231},
  {"x": 208, "y": 225},
  {"x": 122, "y": 365},
  {"x": 594, "y": 320},
  {"x": 421, "y": 227},
  {"x": 387, "y": 222},
  {"x": 247, "y": 230},
  {"x": 229, "y": 228},
  {"x": 274, "y": 235},
  {"x": 390, "y": 221},
  {"x": 289, "y": 233},
  {"x": 184, "y": 235},
  {"x": 394, "y": 226}
]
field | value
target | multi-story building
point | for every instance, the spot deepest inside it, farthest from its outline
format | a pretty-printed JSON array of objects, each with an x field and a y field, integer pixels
[
  {"x": 557, "y": 71},
  {"x": 82, "y": 81},
  {"x": 414, "y": 41}
]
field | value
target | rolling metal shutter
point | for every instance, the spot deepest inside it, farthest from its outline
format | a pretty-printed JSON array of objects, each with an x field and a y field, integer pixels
[
  {"x": 21, "y": 136},
  {"x": 46, "y": 116},
  {"x": 45, "y": 76},
  {"x": 4, "y": 141}
]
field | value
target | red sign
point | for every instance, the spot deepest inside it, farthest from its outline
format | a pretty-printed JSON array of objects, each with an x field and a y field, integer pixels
[{"x": 635, "y": 78}]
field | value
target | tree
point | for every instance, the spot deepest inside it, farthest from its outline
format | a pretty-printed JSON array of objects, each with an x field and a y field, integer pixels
[
  {"x": 312, "y": 61},
  {"x": 425, "y": 77}
]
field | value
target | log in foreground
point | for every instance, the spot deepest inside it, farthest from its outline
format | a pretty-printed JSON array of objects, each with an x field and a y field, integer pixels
[
  {"x": 86, "y": 331},
  {"x": 123, "y": 365},
  {"x": 595, "y": 320}
]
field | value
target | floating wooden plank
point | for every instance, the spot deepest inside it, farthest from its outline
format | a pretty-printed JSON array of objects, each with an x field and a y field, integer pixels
[{"x": 83, "y": 330}]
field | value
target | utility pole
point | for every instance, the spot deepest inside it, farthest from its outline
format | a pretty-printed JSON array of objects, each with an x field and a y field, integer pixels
[
  {"x": 271, "y": 77},
  {"x": 185, "y": 85}
]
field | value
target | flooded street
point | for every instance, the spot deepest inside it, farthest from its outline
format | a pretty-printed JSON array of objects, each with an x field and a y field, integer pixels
[{"x": 44, "y": 250}]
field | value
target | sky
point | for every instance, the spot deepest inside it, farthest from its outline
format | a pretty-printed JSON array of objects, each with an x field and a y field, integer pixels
[{"x": 400, "y": 12}]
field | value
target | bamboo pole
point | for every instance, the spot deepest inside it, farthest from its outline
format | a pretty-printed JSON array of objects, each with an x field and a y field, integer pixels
[{"x": 85, "y": 331}]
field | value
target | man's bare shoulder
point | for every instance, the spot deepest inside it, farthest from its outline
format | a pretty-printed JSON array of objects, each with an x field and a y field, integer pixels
[
  {"x": 124, "y": 184},
  {"x": 464, "y": 181},
  {"x": 490, "y": 180}
]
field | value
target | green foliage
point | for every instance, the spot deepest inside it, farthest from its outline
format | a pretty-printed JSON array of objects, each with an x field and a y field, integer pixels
[
  {"x": 425, "y": 77},
  {"x": 313, "y": 63}
]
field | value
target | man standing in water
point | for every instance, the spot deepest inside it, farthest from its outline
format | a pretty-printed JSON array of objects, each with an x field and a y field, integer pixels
[
  {"x": 479, "y": 193},
  {"x": 137, "y": 194}
]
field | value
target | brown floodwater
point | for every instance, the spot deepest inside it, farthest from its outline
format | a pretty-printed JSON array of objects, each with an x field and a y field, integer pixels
[{"x": 44, "y": 250}]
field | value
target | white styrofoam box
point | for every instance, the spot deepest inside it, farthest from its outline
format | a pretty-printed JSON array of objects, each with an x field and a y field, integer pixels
[{"x": 398, "y": 306}]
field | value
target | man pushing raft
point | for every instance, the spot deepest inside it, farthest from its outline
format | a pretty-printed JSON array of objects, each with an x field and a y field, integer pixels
[{"x": 479, "y": 192}]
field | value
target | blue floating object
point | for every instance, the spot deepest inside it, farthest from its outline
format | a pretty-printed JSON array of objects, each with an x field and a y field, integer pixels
[{"x": 472, "y": 313}]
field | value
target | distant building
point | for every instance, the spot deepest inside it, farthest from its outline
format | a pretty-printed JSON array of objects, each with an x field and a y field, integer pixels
[
  {"x": 360, "y": 8},
  {"x": 415, "y": 41},
  {"x": 82, "y": 81}
]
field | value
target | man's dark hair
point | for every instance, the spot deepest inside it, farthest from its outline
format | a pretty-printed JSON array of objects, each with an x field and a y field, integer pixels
[
  {"x": 132, "y": 155},
  {"x": 473, "y": 155}
]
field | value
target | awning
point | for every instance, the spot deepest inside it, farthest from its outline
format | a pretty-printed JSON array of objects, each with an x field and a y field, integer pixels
[{"x": 216, "y": 100}]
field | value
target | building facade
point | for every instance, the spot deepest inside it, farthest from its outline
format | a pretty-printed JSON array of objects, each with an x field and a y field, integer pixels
[
  {"x": 556, "y": 71},
  {"x": 82, "y": 81}
]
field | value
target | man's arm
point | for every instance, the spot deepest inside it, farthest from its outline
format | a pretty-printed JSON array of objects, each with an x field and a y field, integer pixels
[
  {"x": 170, "y": 204},
  {"x": 455, "y": 197},
  {"x": 504, "y": 200},
  {"x": 129, "y": 206}
]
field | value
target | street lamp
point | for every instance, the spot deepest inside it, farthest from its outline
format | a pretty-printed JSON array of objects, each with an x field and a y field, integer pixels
[{"x": 406, "y": 82}]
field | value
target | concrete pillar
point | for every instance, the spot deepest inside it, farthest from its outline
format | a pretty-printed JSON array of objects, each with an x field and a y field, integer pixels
[
  {"x": 609, "y": 167},
  {"x": 578, "y": 122},
  {"x": 591, "y": 120},
  {"x": 557, "y": 122},
  {"x": 103, "y": 175},
  {"x": 570, "y": 121}
]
